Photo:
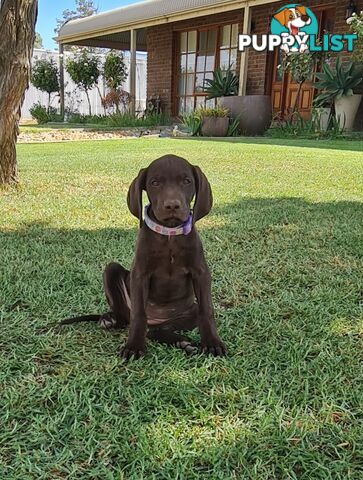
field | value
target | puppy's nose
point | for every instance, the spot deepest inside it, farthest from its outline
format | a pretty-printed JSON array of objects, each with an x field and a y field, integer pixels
[
  {"x": 304, "y": 18},
  {"x": 172, "y": 204}
]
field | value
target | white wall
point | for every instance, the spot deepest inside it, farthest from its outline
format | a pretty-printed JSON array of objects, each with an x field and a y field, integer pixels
[{"x": 75, "y": 98}]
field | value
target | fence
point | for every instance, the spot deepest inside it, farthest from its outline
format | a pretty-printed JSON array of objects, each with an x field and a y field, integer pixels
[{"x": 75, "y": 99}]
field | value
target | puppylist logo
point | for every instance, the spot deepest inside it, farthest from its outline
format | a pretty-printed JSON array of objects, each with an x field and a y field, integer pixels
[{"x": 294, "y": 28}]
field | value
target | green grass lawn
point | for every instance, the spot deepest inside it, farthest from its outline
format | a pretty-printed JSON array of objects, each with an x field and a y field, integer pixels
[{"x": 284, "y": 243}]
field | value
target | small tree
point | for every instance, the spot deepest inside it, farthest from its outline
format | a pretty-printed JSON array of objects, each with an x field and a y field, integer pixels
[
  {"x": 301, "y": 66},
  {"x": 115, "y": 73},
  {"x": 84, "y": 72},
  {"x": 83, "y": 8},
  {"x": 356, "y": 26},
  {"x": 38, "y": 41},
  {"x": 45, "y": 77}
]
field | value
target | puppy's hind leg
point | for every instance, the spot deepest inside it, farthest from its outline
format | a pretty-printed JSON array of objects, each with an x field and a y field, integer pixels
[{"x": 116, "y": 287}]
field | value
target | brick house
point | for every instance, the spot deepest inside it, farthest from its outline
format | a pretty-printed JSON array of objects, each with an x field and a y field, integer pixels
[{"x": 186, "y": 40}]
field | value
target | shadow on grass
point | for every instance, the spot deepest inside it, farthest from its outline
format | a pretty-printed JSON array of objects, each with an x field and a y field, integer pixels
[
  {"x": 279, "y": 406},
  {"x": 355, "y": 145},
  {"x": 269, "y": 241}
]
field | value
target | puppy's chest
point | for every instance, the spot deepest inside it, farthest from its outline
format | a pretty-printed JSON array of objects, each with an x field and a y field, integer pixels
[{"x": 171, "y": 260}]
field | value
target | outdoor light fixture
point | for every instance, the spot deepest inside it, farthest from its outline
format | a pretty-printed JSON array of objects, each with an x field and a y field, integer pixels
[{"x": 350, "y": 9}]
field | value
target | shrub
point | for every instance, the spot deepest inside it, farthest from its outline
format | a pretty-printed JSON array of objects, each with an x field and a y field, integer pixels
[
  {"x": 211, "y": 112},
  {"x": 192, "y": 122},
  {"x": 45, "y": 77},
  {"x": 121, "y": 120},
  {"x": 296, "y": 126},
  {"x": 116, "y": 98},
  {"x": 233, "y": 128},
  {"x": 44, "y": 115}
]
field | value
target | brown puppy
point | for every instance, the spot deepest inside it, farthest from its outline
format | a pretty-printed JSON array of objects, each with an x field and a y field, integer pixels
[{"x": 169, "y": 286}]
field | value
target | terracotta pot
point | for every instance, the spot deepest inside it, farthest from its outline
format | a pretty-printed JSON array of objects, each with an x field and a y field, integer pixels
[
  {"x": 346, "y": 109},
  {"x": 254, "y": 112},
  {"x": 215, "y": 126}
]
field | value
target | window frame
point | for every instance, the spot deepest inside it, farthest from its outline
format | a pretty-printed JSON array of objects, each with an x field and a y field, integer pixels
[{"x": 218, "y": 47}]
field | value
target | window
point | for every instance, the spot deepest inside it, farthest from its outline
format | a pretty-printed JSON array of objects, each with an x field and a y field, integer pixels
[
  {"x": 200, "y": 53},
  {"x": 228, "y": 47}
]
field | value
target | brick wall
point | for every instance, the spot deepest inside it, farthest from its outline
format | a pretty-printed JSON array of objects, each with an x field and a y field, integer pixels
[
  {"x": 160, "y": 63},
  {"x": 261, "y": 15},
  {"x": 161, "y": 51}
]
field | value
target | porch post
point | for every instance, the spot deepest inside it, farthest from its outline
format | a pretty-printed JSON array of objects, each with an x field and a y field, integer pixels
[
  {"x": 61, "y": 79},
  {"x": 133, "y": 71},
  {"x": 244, "y": 54}
]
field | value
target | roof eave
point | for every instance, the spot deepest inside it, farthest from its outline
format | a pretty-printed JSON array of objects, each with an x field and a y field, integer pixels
[{"x": 159, "y": 20}]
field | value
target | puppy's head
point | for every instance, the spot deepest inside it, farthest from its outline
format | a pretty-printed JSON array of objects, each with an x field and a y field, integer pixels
[
  {"x": 171, "y": 183},
  {"x": 293, "y": 17}
]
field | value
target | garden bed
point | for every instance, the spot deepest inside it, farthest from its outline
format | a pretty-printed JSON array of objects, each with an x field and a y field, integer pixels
[{"x": 64, "y": 133}]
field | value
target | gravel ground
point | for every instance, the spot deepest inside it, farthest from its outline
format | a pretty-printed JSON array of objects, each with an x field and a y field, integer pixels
[{"x": 77, "y": 134}]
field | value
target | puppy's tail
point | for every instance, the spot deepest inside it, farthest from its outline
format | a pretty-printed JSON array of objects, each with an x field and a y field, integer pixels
[{"x": 83, "y": 318}]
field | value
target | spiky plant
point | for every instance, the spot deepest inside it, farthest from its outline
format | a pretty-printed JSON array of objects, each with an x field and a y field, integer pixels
[
  {"x": 337, "y": 82},
  {"x": 223, "y": 84}
]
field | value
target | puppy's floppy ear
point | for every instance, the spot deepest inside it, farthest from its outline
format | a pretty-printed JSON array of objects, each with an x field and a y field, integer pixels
[
  {"x": 203, "y": 195},
  {"x": 282, "y": 17},
  {"x": 134, "y": 195},
  {"x": 301, "y": 9}
]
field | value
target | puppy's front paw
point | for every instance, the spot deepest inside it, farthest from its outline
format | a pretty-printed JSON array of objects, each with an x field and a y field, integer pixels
[
  {"x": 132, "y": 350},
  {"x": 213, "y": 346}
]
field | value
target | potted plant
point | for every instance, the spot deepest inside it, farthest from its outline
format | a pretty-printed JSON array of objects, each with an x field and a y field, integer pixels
[
  {"x": 254, "y": 112},
  {"x": 338, "y": 84},
  {"x": 214, "y": 121}
]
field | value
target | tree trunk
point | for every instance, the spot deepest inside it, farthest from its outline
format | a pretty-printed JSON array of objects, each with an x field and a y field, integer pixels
[
  {"x": 297, "y": 99},
  {"x": 17, "y": 34},
  {"x": 89, "y": 104},
  {"x": 101, "y": 98}
]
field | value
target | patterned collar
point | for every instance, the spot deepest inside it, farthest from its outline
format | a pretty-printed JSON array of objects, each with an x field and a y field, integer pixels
[{"x": 183, "y": 229}]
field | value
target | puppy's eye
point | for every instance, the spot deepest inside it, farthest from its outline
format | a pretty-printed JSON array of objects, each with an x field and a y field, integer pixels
[
  {"x": 155, "y": 183},
  {"x": 291, "y": 17},
  {"x": 187, "y": 181}
]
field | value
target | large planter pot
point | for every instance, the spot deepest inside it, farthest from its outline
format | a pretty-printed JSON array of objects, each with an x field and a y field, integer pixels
[
  {"x": 215, "y": 126},
  {"x": 346, "y": 109},
  {"x": 254, "y": 112},
  {"x": 324, "y": 117}
]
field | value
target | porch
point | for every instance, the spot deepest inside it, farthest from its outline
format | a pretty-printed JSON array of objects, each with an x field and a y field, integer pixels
[{"x": 187, "y": 42}]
